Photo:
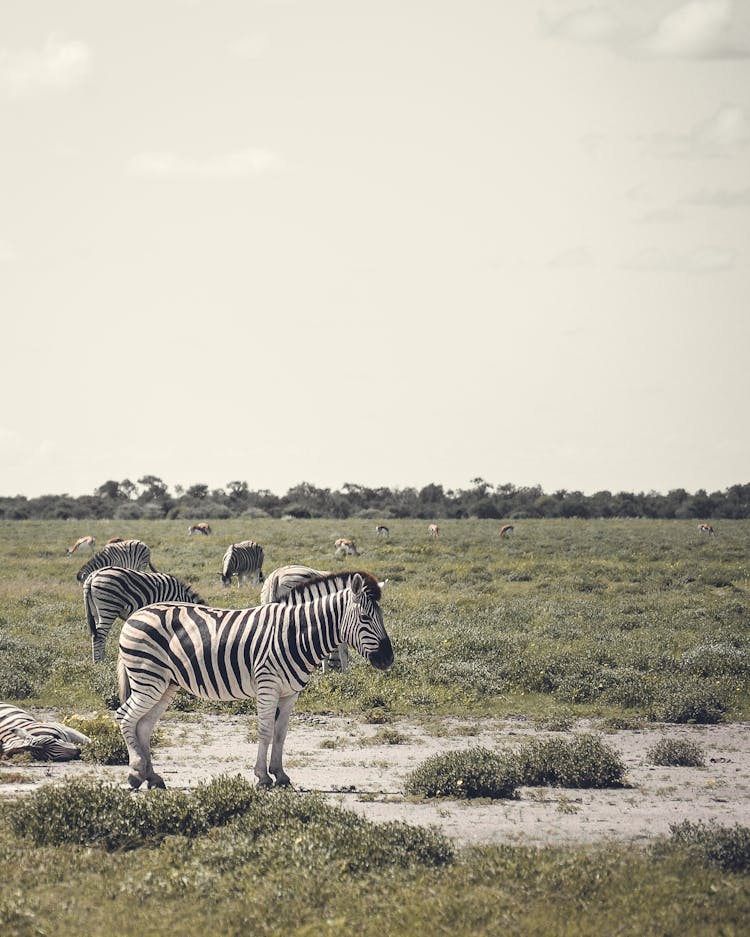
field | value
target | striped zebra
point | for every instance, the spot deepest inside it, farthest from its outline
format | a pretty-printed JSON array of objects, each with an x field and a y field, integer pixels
[
  {"x": 295, "y": 585},
  {"x": 46, "y": 741},
  {"x": 243, "y": 560},
  {"x": 113, "y": 592},
  {"x": 82, "y": 542},
  {"x": 268, "y": 652},
  {"x": 132, "y": 554}
]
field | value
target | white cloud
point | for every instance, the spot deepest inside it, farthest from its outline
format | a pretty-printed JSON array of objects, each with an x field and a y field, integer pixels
[
  {"x": 230, "y": 165},
  {"x": 586, "y": 25},
  {"x": 700, "y": 29},
  {"x": 60, "y": 64},
  {"x": 699, "y": 261},
  {"x": 724, "y": 133}
]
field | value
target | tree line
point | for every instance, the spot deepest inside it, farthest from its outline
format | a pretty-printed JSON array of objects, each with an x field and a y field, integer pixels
[{"x": 150, "y": 498}]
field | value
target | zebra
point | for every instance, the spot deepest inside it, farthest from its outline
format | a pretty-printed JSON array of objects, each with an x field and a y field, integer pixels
[
  {"x": 132, "y": 554},
  {"x": 114, "y": 592},
  {"x": 243, "y": 560},
  {"x": 382, "y": 531},
  {"x": 82, "y": 542},
  {"x": 199, "y": 529},
  {"x": 47, "y": 741},
  {"x": 345, "y": 546},
  {"x": 268, "y": 652},
  {"x": 294, "y": 585}
]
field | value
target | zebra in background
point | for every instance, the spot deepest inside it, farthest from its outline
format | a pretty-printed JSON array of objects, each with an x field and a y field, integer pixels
[
  {"x": 80, "y": 544},
  {"x": 47, "y": 741},
  {"x": 243, "y": 560},
  {"x": 132, "y": 554},
  {"x": 199, "y": 529},
  {"x": 282, "y": 580},
  {"x": 268, "y": 652},
  {"x": 113, "y": 592}
]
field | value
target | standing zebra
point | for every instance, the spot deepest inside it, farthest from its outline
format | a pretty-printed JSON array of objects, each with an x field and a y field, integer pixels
[
  {"x": 113, "y": 592},
  {"x": 282, "y": 580},
  {"x": 48, "y": 741},
  {"x": 243, "y": 560},
  {"x": 82, "y": 542},
  {"x": 268, "y": 652},
  {"x": 132, "y": 554}
]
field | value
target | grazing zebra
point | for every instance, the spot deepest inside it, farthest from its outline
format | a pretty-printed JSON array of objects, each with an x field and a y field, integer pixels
[
  {"x": 132, "y": 554},
  {"x": 243, "y": 560},
  {"x": 345, "y": 546},
  {"x": 382, "y": 531},
  {"x": 706, "y": 529},
  {"x": 506, "y": 530},
  {"x": 113, "y": 592},
  {"x": 434, "y": 530},
  {"x": 268, "y": 652},
  {"x": 199, "y": 529},
  {"x": 47, "y": 741},
  {"x": 282, "y": 580},
  {"x": 80, "y": 544}
]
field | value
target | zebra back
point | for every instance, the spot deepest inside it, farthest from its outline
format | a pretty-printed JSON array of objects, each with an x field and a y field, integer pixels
[
  {"x": 116, "y": 592},
  {"x": 132, "y": 554},
  {"x": 285, "y": 578},
  {"x": 327, "y": 583}
]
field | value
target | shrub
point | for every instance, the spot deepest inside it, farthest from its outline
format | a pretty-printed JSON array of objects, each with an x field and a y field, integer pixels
[
  {"x": 584, "y": 761},
  {"x": 722, "y": 846},
  {"x": 475, "y": 772},
  {"x": 677, "y": 753},
  {"x": 690, "y": 700},
  {"x": 107, "y": 746}
]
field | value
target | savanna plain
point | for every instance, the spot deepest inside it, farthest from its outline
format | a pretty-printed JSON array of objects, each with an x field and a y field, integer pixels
[{"x": 561, "y": 746}]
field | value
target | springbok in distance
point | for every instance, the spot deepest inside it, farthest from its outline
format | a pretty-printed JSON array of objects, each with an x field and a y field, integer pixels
[
  {"x": 706, "y": 529},
  {"x": 381, "y": 531},
  {"x": 434, "y": 530},
  {"x": 80, "y": 544},
  {"x": 346, "y": 546},
  {"x": 199, "y": 529},
  {"x": 506, "y": 530},
  {"x": 114, "y": 540}
]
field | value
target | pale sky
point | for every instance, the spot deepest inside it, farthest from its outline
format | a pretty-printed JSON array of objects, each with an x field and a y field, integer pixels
[{"x": 385, "y": 242}]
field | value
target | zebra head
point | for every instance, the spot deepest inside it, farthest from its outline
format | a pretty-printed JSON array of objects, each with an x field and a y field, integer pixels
[{"x": 363, "y": 627}]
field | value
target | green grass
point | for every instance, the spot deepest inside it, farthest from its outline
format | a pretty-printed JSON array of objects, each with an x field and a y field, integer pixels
[{"x": 629, "y": 621}]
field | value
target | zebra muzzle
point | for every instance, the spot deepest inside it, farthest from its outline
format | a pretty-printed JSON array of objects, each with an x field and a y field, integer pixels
[{"x": 383, "y": 657}]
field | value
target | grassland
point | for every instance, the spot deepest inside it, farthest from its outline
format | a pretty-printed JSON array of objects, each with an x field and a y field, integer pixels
[{"x": 625, "y": 620}]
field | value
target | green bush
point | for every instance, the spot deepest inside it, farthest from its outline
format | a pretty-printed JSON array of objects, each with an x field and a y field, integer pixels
[
  {"x": 107, "y": 746},
  {"x": 676, "y": 753},
  {"x": 722, "y": 846},
  {"x": 475, "y": 772},
  {"x": 690, "y": 700},
  {"x": 584, "y": 761}
]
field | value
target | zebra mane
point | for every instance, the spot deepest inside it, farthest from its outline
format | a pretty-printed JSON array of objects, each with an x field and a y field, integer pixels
[{"x": 372, "y": 587}]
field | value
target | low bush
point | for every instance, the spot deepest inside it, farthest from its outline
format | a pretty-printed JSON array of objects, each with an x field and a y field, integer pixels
[
  {"x": 680, "y": 753},
  {"x": 107, "y": 746},
  {"x": 690, "y": 700},
  {"x": 584, "y": 761},
  {"x": 727, "y": 847},
  {"x": 475, "y": 772}
]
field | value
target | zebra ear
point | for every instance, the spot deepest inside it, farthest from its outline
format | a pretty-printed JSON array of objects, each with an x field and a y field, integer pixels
[{"x": 357, "y": 587}]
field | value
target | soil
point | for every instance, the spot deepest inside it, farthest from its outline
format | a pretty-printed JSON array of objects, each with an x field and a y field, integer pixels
[{"x": 362, "y": 767}]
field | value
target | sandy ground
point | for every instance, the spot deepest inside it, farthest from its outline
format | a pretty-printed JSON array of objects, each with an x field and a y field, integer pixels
[{"x": 342, "y": 758}]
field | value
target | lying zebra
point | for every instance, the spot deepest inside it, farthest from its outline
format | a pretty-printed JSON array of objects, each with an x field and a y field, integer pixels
[
  {"x": 115, "y": 592},
  {"x": 296, "y": 584},
  {"x": 45, "y": 741}
]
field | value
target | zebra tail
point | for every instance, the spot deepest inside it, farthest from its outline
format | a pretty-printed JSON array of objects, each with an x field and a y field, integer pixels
[
  {"x": 152, "y": 567},
  {"x": 123, "y": 682},
  {"x": 88, "y": 604}
]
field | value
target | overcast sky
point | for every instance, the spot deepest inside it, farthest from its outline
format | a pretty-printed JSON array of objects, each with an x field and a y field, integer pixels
[{"x": 386, "y": 242}]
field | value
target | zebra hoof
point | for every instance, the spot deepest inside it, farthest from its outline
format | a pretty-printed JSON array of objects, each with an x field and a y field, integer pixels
[
  {"x": 134, "y": 781},
  {"x": 156, "y": 781},
  {"x": 283, "y": 781},
  {"x": 265, "y": 784}
]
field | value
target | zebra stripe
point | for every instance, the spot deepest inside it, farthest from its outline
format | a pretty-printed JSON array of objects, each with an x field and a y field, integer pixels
[
  {"x": 132, "y": 554},
  {"x": 113, "y": 592},
  {"x": 243, "y": 560},
  {"x": 268, "y": 652},
  {"x": 47, "y": 741}
]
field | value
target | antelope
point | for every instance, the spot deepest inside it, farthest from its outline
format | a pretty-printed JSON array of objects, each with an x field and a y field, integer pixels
[
  {"x": 82, "y": 542},
  {"x": 381, "y": 531},
  {"x": 506, "y": 530},
  {"x": 201, "y": 528},
  {"x": 706, "y": 529},
  {"x": 434, "y": 530},
  {"x": 345, "y": 546}
]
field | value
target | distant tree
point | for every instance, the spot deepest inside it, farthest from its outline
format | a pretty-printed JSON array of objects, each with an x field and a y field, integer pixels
[{"x": 197, "y": 492}]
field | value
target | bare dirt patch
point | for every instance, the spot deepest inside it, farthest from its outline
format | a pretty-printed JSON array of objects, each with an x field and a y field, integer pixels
[{"x": 362, "y": 767}]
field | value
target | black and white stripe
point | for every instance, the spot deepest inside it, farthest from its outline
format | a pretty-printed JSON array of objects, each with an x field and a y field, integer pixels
[
  {"x": 113, "y": 592},
  {"x": 268, "y": 652},
  {"x": 243, "y": 560},
  {"x": 47, "y": 741},
  {"x": 132, "y": 554}
]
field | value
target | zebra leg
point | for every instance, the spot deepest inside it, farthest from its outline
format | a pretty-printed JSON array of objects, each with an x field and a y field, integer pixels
[
  {"x": 144, "y": 731},
  {"x": 268, "y": 708},
  {"x": 98, "y": 645},
  {"x": 139, "y": 705},
  {"x": 280, "y": 726}
]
